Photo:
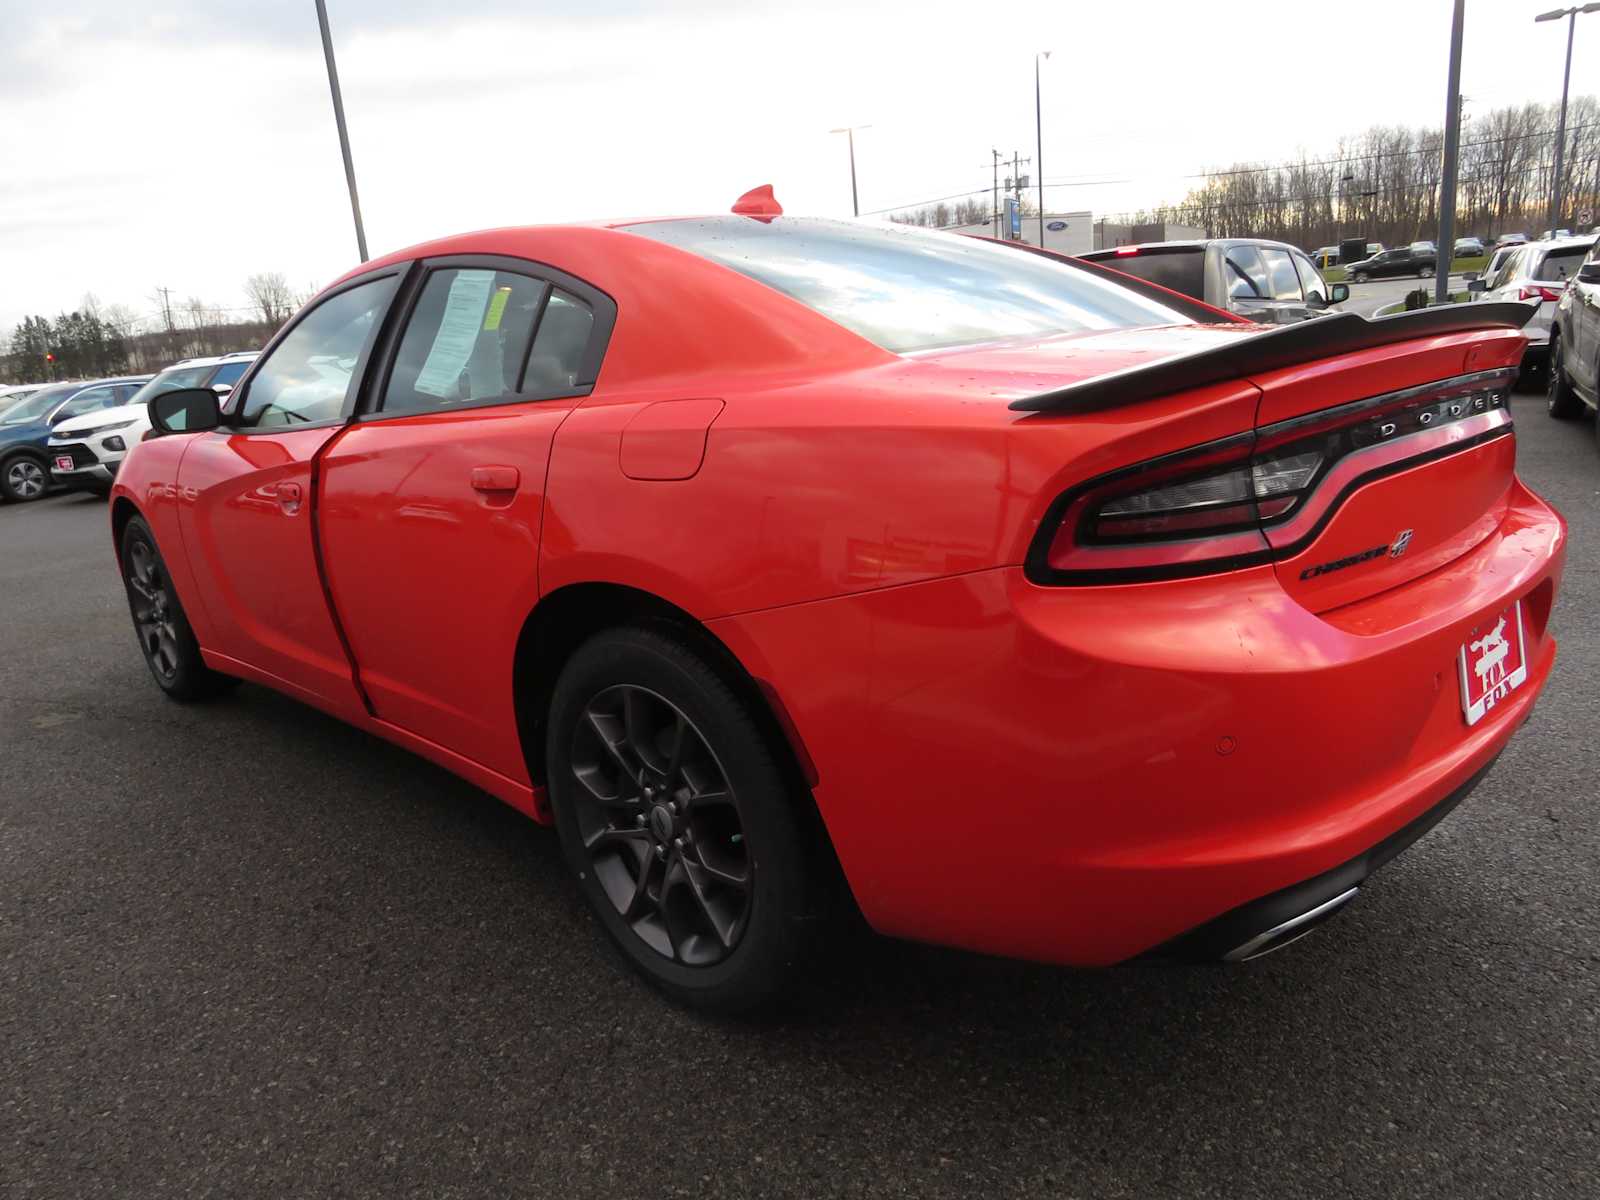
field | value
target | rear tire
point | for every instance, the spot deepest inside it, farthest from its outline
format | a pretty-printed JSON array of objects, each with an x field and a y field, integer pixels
[
  {"x": 1562, "y": 401},
  {"x": 23, "y": 478},
  {"x": 682, "y": 830},
  {"x": 1425, "y": 273},
  {"x": 168, "y": 643}
]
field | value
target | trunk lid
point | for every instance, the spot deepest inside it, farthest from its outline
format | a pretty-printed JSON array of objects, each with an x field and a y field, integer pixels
[{"x": 1416, "y": 457}]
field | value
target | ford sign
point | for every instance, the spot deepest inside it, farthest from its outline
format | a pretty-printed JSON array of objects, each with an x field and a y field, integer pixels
[{"x": 1057, "y": 226}]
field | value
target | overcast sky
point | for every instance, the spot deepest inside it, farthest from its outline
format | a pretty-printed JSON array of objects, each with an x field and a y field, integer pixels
[{"x": 191, "y": 144}]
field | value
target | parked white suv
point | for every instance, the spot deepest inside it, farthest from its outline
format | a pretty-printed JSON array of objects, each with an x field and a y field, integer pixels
[{"x": 86, "y": 451}]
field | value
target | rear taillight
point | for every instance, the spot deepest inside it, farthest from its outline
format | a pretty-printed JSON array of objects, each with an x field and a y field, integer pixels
[
  {"x": 1533, "y": 291},
  {"x": 1257, "y": 496}
]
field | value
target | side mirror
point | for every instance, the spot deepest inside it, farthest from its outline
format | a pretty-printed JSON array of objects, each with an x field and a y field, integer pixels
[
  {"x": 187, "y": 410},
  {"x": 1338, "y": 293},
  {"x": 1589, "y": 273},
  {"x": 223, "y": 390},
  {"x": 1478, "y": 285}
]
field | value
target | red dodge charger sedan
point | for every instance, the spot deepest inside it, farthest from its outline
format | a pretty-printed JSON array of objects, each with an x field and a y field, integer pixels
[{"x": 1057, "y": 615}]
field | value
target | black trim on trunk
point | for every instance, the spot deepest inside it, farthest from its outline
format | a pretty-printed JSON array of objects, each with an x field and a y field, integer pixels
[{"x": 1238, "y": 356}]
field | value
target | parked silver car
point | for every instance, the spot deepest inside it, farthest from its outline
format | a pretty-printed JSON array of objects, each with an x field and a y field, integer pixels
[
  {"x": 1574, "y": 379},
  {"x": 1535, "y": 271},
  {"x": 1270, "y": 282}
]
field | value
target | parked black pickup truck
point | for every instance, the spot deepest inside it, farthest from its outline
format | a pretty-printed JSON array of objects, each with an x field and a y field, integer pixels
[{"x": 1385, "y": 263}]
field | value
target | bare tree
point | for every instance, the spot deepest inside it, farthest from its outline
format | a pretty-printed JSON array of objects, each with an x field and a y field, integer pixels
[{"x": 270, "y": 293}]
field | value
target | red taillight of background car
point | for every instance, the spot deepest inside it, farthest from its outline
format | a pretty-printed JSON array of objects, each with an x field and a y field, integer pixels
[
  {"x": 1256, "y": 496},
  {"x": 1540, "y": 292}
]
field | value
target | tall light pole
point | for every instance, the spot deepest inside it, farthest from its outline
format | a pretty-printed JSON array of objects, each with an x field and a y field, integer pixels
[
  {"x": 344, "y": 136},
  {"x": 1446, "y": 244},
  {"x": 1571, "y": 14},
  {"x": 850, "y": 132},
  {"x": 1038, "y": 139}
]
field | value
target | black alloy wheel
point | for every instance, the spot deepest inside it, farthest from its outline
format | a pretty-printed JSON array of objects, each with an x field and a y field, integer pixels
[
  {"x": 165, "y": 638},
  {"x": 695, "y": 850},
  {"x": 23, "y": 479},
  {"x": 1564, "y": 403},
  {"x": 154, "y": 613},
  {"x": 660, "y": 822}
]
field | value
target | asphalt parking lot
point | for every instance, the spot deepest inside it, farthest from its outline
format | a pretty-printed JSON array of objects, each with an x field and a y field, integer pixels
[
  {"x": 1367, "y": 298},
  {"x": 247, "y": 951}
]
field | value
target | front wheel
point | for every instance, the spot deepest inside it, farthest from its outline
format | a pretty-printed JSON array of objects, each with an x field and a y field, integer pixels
[
  {"x": 1425, "y": 273},
  {"x": 167, "y": 641},
  {"x": 23, "y": 478},
  {"x": 1561, "y": 400},
  {"x": 1360, "y": 277},
  {"x": 675, "y": 817}
]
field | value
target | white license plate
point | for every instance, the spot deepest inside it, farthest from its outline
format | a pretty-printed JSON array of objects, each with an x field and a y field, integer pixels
[
  {"x": 63, "y": 462},
  {"x": 1493, "y": 663}
]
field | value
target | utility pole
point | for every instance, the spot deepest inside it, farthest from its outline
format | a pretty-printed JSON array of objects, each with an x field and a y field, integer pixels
[
  {"x": 1452, "y": 147},
  {"x": 344, "y": 136},
  {"x": 996, "y": 155},
  {"x": 1038, "y": 136}
]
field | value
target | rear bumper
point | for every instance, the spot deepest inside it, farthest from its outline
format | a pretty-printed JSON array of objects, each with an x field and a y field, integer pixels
[
  {"x": 1082, "y": 775},
  {"x": 1272, "y": 922}
]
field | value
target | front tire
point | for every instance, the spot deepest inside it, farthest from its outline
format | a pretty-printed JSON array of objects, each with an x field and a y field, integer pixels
[
  {"x": 1562, "y": 401},
  {"x": 23, "y": 478},
  {"x": 168, "y": 643},
  {"x": 1425, "y": 273},
  {"x": 1360, "y": 277},
  {"x": 674, "y": 815}
]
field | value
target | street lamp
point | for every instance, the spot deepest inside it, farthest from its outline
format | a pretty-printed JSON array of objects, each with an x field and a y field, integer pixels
[
  {"x": 1556, "y": 14},
  {"x": 1038, "y": 138},
  {"x": 850, "y": 132}
]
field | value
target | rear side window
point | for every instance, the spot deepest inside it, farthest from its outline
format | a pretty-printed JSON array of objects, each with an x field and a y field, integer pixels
[
  {"x": 1561, "y": 264},
  {"x": 1247, "y": 274},
  {"x": 1281, "y": 275},
  {"x": 89, "y": 401},
  {"x": 466, "y": 339},
  {"x": 1178, "y": 270},
  {"x": 911, "y": 289},
  {"x": 557, "y": 355}
]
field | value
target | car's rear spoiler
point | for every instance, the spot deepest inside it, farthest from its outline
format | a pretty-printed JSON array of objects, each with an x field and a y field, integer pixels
[{"x": 1239, "y": 355}]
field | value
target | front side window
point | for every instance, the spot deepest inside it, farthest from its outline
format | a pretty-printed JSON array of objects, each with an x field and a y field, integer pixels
[
  {"x": 1283, "y": 279},
  {"x": 307, "y": 376},
  {"x": 1247, "y": 274},
  {"x": 169, "y": 380},
  {"x": 465, "y": 341},
  {"x": 912, "y": 289}
]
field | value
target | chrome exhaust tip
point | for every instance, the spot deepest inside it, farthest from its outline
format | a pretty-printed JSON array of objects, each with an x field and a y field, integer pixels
[{"x": 1288, "y": 931}]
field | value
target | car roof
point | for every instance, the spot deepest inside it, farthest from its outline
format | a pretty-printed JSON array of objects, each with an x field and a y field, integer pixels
[{"x": 1195, "y": 244}]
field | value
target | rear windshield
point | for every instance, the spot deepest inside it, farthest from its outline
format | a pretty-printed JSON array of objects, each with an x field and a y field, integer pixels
[
  {"x": 1561, "y": 264},
  {"x": 912, "y": 289},
  {"x": 1181, "y": 270}
]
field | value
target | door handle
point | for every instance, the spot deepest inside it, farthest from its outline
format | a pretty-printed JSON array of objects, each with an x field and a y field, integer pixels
[
  {"x": 495, "y": 479},
  {"x": 288, "y": 497}
]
